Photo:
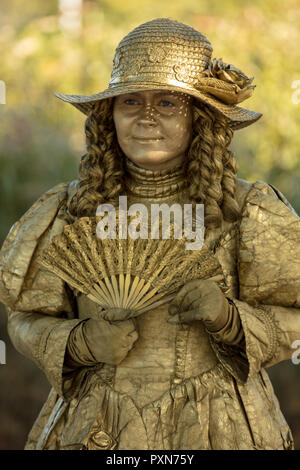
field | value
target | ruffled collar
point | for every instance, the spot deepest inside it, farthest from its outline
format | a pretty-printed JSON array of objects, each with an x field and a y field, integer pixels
[{"x": 154, "y": 183}]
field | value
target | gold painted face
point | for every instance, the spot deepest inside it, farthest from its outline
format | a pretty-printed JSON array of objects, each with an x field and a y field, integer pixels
[{"x": 154, "y": 128}]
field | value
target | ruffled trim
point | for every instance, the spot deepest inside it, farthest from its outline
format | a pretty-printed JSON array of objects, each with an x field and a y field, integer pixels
[{"x": 147, "y": 183}]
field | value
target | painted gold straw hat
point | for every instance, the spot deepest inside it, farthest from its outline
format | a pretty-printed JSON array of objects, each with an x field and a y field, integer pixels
[{"x": 164, "y": 54}]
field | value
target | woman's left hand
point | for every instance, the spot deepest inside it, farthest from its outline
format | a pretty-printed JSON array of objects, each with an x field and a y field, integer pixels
[{"x": 200, "y": 299}]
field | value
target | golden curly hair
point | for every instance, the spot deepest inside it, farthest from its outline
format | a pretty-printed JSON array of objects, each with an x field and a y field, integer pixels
[{"x": 210, "y": 166}]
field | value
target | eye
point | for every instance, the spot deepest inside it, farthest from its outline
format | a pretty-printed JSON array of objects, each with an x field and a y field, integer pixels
[
  {"x": 130, "y": 102},
  {"x": 166, "y": 104}
]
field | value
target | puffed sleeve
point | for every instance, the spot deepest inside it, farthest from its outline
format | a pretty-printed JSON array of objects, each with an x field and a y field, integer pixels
[
  {"x": 39, "y": 305},
  {"x": 268, "y": 266}
]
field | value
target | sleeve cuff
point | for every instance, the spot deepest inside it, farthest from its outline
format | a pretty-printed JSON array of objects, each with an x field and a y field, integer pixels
[
  {"x": 259, "y": 344},
  {"x": 232, "y": 332}
]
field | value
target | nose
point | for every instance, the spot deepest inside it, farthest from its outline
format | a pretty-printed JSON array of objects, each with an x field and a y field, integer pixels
[{"x": 147, "y": 115}]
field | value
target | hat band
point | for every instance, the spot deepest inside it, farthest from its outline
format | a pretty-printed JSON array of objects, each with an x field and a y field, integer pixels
[{"x": 148, "y": 81}]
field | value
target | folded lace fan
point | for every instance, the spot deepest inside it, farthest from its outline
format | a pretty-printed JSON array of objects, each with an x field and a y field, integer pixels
[{"x": 137, "y": 274}]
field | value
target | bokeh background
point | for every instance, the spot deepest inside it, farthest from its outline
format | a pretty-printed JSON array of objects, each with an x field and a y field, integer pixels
[{"x": 68, "y": 46}]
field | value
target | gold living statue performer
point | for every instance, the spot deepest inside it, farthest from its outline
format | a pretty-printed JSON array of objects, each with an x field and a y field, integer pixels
[{"x": 188, "y": 373}]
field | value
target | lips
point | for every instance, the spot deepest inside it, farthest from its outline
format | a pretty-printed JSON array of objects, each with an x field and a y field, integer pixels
[{"x": 147, "y": 139}]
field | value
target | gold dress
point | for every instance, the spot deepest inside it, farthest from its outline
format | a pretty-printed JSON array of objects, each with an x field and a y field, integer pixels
[{"x": 179, "y": 387}]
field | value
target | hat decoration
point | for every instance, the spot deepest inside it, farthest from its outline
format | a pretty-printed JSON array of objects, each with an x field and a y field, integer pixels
[{"x": 226, "y": 82}]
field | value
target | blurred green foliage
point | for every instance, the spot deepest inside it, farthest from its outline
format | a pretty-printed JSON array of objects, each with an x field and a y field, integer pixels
[{"x": 42, "y": 139}]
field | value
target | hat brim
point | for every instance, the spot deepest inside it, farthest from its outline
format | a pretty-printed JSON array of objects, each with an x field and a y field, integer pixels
[{"x": 238, "y": 117}]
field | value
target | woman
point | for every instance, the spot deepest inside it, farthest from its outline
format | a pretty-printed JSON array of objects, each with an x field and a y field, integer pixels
[{"x": 188, "y": 374}]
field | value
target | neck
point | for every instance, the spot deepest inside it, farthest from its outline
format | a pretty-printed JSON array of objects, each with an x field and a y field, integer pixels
[{"x": 150, "y": 183}]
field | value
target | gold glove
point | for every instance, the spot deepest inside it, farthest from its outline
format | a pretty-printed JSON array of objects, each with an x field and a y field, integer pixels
[
  {"x": 202, "y": 299},
  {"x": 99, "y": 341}
]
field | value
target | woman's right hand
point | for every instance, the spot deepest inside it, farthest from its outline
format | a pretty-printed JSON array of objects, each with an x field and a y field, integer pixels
[{"x": 109, "y": 342}]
